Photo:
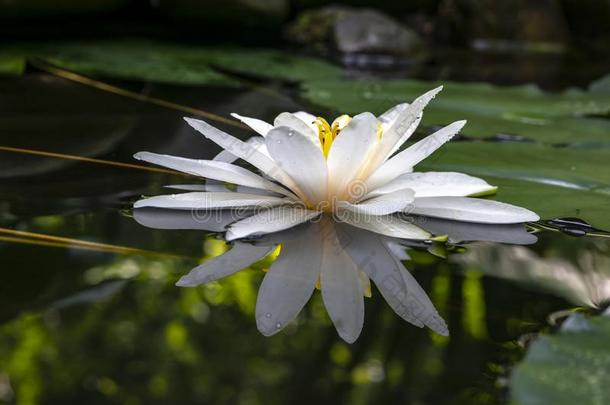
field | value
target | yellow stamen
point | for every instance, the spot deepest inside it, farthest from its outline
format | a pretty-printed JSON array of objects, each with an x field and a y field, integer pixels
[
  {"x": 327, "y": 133},
  {"x": 339, "y": 123}
]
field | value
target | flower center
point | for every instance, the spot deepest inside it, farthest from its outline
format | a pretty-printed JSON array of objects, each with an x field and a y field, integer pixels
[{"x": 327, "y": 133}]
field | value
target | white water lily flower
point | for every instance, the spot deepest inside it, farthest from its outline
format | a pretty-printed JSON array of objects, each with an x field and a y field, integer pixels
[{"x": 350, "y": 169}]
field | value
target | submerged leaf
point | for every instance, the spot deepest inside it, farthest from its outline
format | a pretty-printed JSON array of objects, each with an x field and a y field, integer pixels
[{"x": 570, "y": 367}]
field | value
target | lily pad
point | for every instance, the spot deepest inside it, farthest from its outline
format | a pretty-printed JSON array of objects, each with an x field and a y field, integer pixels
[
  {"x": 175, "y": 63},
  {"x": 570, "y": 367},
  {"x": 525, "y": 111},
  {"x": 136, "y": 60},
  {"x": 12, "y": 65},
  {"x": 553, "y": 182}
]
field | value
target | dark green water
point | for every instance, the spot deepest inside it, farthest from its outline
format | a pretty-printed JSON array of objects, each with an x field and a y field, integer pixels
[{"x": 92, "y": 323}]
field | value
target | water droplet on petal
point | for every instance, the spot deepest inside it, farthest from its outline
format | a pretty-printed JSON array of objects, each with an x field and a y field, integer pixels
[
  {"x": 173, "y": 196},
  {"x": 291, "y": 133},
  {"x": 278, "y": 325},
  {"x": 267, "y": 315}
]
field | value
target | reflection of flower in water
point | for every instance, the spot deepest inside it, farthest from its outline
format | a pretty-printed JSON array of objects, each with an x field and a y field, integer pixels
[
  {"x": 328, "y": 253},
  {"x": 586, "y": 282},
  {"x": 311, "y": 170}
]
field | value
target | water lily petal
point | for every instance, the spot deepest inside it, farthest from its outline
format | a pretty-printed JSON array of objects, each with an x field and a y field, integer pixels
[
  {"x": 256, "y": 141},
  {"x": 297, "y": 124},
  {"x": 213, "y": 220},
  {"x": 365, "y": 283},
  {"x": 396, "y": 284},
  {"x": 404, "y": 161},
  {"x": 308, "y": 119},
  {"x": 388, "y": 118},
  {"x": 404, "y": 124},
  {"x": 341, "y": 288},
  {"x": 212, "y": 170},
  {"x": 240, "y": 256},
  {"x": 268, "y": 221},
  {"x": 244, "y": 151},
  {"x": 384, "y": 204},
  {"x": 436, "y": 184},
  {"x": 290, "y": 281},
  {"x": 472, "y": 210},
  {"x": 221, "y": 187},
  {"x": 259, "y": 126},
  {"x": 389, "y": 225},
  {"x": 350, "y": 152},
  {"x": 301, "y": 160},
  {"x": 211, "y": 200},
  {"x": 397, "y": 250},
  {"x": 460, "y": 231}
]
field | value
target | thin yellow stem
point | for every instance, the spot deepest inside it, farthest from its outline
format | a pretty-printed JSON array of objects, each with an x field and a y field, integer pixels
[
  {"x": 59, "y": 241},
  {"x": 89, "y": 160},
  {"x": 75, "y": 77}
]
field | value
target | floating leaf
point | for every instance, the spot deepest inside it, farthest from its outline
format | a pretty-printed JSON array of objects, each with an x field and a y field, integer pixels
[
  {"x": 570, "y": 367},
  {"x": 12, "y": 65},
  {"x": 167, "y": 62},
  {"x": 137, "y": 60},
  {"x": 553, "y": 182},
  {"x": 525, "y": 111}
]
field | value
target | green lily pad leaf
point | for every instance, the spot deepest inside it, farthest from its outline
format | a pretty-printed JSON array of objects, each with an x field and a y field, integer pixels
[
  {"x": 570, "y": 367},
  {"x": 177, "y": 63},
  {"x": 136, "y": 60},
  {"x": 12, "y": 65},
  {"x": 571, "y": 168},
  {"x": 273, "y": 64},
  {"x": 550, "y": 201},
  {"x": 553, "y": 182},
  {"x": 525, "y": 111}
]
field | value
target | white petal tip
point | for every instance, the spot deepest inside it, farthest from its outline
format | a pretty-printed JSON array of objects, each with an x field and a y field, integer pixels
[
  {"x": 139, "y": 155},
  {"x": 266, "y": 333},
  {"x": 184, "y": 282},
  {"x": 139, "y": 204},
  {"x": 231, "y": 236},
  {"x": 444, "y": 332},
  {"x": 438, "y": 325},
  {"x": 349, "y": 339},
  {"x": 268, "y": 326},
  {"x": 191, "y": 121}
]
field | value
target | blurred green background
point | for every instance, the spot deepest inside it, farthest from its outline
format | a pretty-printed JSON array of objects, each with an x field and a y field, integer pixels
[{"x": 88, "y": 308}]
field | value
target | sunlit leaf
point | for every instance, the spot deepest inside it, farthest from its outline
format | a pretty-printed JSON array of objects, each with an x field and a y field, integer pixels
[
  {"x": 167, "y": 62},
  {"x": 570, "y": 367},
  {"x": 553, "y": 182},
  {"x": 523, "y": 111}
]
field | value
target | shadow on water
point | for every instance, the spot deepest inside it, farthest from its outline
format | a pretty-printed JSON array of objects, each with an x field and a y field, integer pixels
[{"x": 86, "y": 319}]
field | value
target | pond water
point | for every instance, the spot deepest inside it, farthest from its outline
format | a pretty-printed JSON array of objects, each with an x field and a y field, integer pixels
[{"x": 89, "y": 312}]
